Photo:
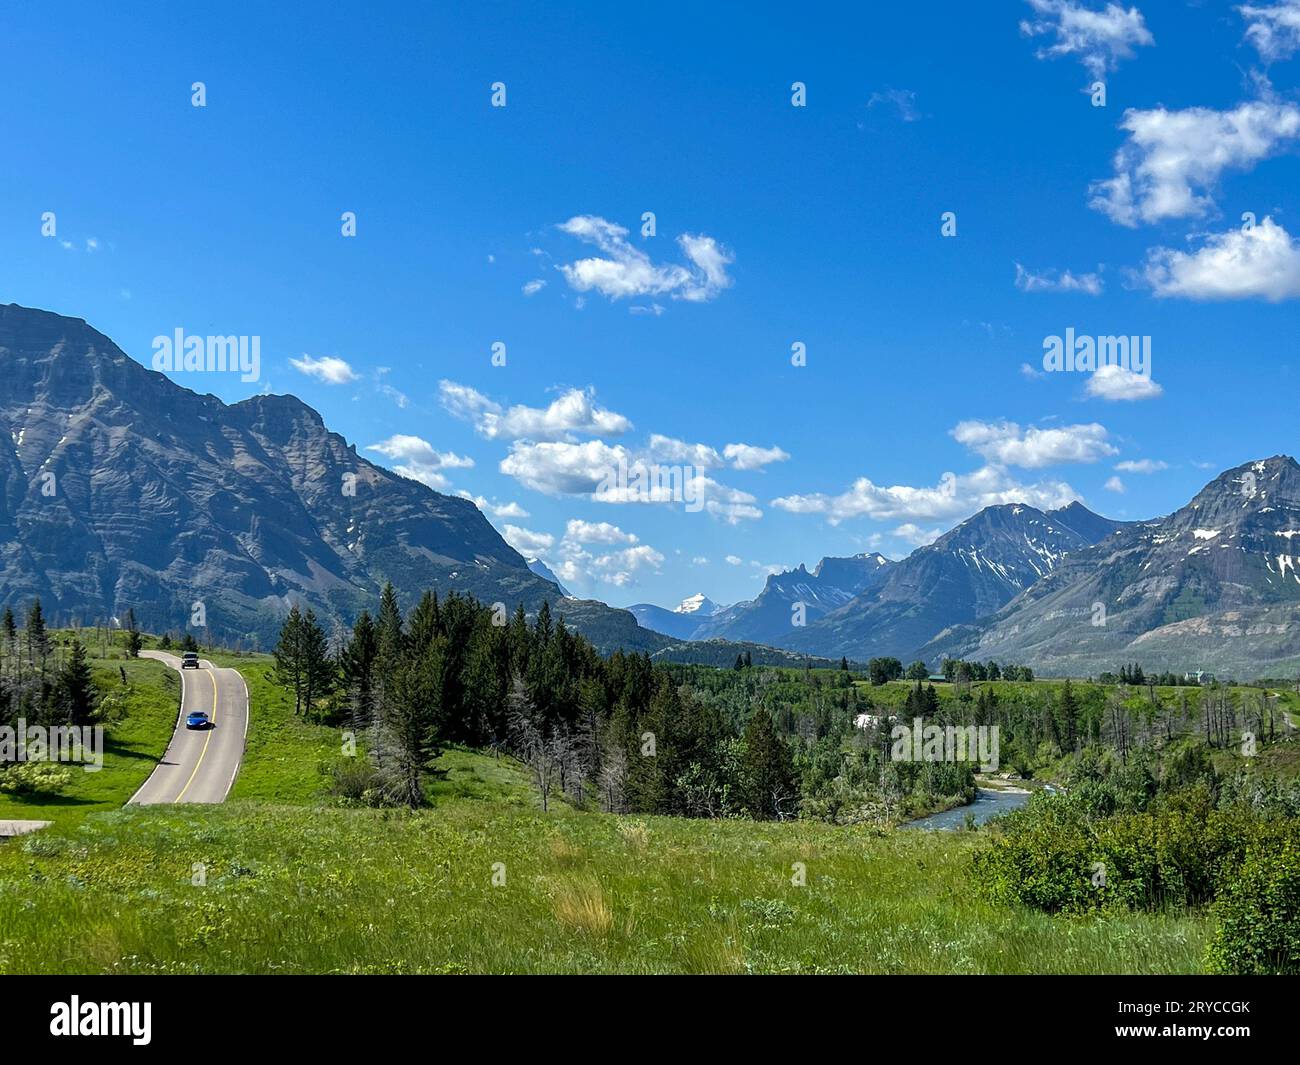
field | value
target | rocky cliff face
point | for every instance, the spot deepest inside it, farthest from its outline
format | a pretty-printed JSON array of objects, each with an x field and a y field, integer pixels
[
  {"x": 768, "y": 617},
  {"x": 968, "y": 573},
  {"x": 1212, "y": 586},
  {"x": 120, "y": 488}
]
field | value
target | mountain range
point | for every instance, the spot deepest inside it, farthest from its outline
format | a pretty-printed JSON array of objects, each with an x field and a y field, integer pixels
[
  {"x": 866, "y": 605},
  {"x": 969, "y": 572},
  {"x": 120, "y": 489},
  {"x": 1213, "y": 586}
]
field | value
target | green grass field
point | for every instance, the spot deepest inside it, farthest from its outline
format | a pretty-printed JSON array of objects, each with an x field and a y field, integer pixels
[
  {"x": 292, "y": 883},
  {"x": 321, "y": 889},
  {"x": 132, "y": 746}
]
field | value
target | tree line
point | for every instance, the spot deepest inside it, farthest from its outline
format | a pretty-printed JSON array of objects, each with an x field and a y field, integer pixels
[
  {"x": 617, "y": 731},
  {"x": 42, "y": 682}
]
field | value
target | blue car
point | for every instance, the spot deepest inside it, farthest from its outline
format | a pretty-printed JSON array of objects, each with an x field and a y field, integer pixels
[{"x": 198, "y": 719}]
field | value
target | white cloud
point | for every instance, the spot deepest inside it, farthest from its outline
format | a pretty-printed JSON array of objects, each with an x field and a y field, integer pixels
[
  {"x": 730, "y": 505},
  {"x": 1050, "y": 281},
  {"x": 1173, "y": 160},
  {"x": 528, "y": 543},
  {"x": 1031, "y": 372},
  {"x": 1006, "y": 444},
  {"x": 667, "y": 449},
  {"x": 396, "y": 396},
  {"x": 328, "y": 368},
  {"x": 560, "y": 468},
  {"x": 1114, "y": 484},
  {"x": 1099, "y": 38},
  {"x": 749, "y": 457},
  {"x": 497, "y": 510},
  {"x": 596, "y": 532},
  {"x": 627, "y": 271},
  {"x": 574, "y": 412},
  {"x": 546, "y": 456},
  {"x": 419, "y": 460},
  {"x": 1115, "y": 383},
  {"x": 464, "y": 402},
  {"x": 531, "y": 288},
  {"x": 953, "y": 496},
  {"x": 699, "y": 560},
  {"x": 590, "y": 468},
  {"x": 1274, "y": 29},
  {"x": 735, "y": 560},
  {"x": 1261, "y": 262},
  {"x": 915, "y": 535},
  {"x": 903, "y": 99},
  {"x": 1141, "y": 466},
  {"x": 576, "y": 565}
]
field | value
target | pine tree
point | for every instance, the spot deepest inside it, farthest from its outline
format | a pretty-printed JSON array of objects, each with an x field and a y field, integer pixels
[
  {"x": 391, "y": 637},
  {"x": 1069, "y": 715},
  {"x": 9, "y": 635},
  {"x": 423, "y": 626},
  {"x": 38, "y": 641},
  {"x": 769, "y": 773},
  {"x": 133, "y": 641},
  {"x": 77, "y": 686},
  {"x": 357, "y": 664},
  {"x": 289, "y": 663},
  {"x": 410, "y": 716},
  {"x": 318, "y": 675},
  {"x": 542, "y": 627}
]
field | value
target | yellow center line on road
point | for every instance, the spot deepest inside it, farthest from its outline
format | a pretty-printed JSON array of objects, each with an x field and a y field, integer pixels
[{"x": 208, "y": 739}]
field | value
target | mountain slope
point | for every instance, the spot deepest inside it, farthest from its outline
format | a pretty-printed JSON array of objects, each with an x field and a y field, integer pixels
[
  {"x": 682, "y": 622},
  {"x": 537, "y": 566},
  {"x": 1212, "y": 586},
  {"x": 770, "y": 616},
  {"x": 968, "y": 573},
  {"x": 120, "y": 488}
]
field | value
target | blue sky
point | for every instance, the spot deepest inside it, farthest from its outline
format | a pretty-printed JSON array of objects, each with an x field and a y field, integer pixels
[{"x": 776, "y": 224}]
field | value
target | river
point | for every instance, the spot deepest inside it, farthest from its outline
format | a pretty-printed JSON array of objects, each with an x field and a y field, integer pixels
[{"x": 987, "y": 804}]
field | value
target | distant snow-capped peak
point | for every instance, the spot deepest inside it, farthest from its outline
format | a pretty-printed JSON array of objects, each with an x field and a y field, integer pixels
[{"x": 699, "y": 603}]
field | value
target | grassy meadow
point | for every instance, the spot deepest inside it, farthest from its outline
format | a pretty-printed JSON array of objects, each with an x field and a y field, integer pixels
[
  {"x": 323, "y": 890},
  {"x": 282, "y": 879}
]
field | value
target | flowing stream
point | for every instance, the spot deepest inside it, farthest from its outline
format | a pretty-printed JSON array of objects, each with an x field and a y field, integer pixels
[{"x": 987, "y": 804}]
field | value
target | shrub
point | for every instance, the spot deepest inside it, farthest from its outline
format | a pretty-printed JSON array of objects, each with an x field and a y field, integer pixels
[
  {"x": 355, "y": 782},
  {"x": 1258, "y": 915},
  {"x": 1052, "y": 856},
  {"x": 35, "y": 778}
]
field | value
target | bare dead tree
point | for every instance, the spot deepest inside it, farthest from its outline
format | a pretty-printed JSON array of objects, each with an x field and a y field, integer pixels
[
  {"x": 545, "y": 759},
  {"x": 613, "y": 779}
]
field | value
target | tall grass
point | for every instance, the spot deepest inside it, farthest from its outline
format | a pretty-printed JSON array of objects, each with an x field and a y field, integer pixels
[{"x": 479, "y": 885}]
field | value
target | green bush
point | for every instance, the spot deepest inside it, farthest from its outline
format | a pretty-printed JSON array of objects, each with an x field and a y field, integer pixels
[
  {"x": 1258, "y": 916},
  {"x": 1054, "y": 857},
  {"x": 35, "y": 778}
]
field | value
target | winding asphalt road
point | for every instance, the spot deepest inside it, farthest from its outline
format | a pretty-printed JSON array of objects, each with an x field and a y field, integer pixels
[{"x": 199, "y": 765}]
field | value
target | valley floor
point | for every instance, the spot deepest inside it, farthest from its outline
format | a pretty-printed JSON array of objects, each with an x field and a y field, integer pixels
[
  {"x": 278, "y": 880},
  {"x": 251, "y": 888}
]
